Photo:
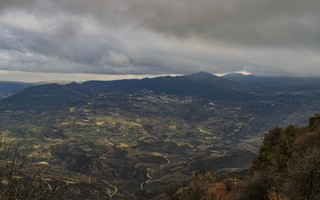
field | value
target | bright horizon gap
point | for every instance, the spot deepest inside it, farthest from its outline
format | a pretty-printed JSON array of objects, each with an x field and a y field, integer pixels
[{"x": 22, "y": 76}]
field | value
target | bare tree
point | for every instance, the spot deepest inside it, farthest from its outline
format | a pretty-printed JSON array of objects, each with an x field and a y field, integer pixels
[{"x": 23, "y": 180}]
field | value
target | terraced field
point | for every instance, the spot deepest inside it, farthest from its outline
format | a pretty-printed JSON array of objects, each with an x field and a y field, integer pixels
[{"x": 119, "y": 147}]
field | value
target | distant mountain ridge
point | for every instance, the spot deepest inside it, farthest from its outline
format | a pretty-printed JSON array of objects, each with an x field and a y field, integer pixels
[
  {"x": 231, "y": 87},
  {"x": 202, "y": 84},
  {"x": 8, "y": 88},
  {"x": 44, "y": 97},
  {"x": 276, "y": 84}
]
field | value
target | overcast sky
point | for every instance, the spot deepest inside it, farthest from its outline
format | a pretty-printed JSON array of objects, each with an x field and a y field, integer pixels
[{"x": 97, "y": 39}]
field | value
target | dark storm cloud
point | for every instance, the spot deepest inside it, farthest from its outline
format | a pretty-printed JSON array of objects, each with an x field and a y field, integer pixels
[
  {"x": 265, "y": 37},
  {"x": 243, "y": 22}
]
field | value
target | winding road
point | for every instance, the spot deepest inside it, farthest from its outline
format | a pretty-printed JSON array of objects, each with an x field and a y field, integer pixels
[
  {"x": 111, "y": 194},
  {"x": 150, "y": 177}
]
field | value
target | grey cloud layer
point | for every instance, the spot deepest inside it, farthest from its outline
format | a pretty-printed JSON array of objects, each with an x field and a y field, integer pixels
[
  {"x": 243, "y": 22},
  {"x": 265, "y": 37}
]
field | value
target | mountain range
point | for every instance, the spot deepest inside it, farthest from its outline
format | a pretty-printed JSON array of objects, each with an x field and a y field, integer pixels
[{"x": 144, "y": 134}]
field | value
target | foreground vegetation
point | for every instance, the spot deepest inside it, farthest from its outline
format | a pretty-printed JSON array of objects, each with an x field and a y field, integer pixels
[{"x": 286, "y": 168}]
